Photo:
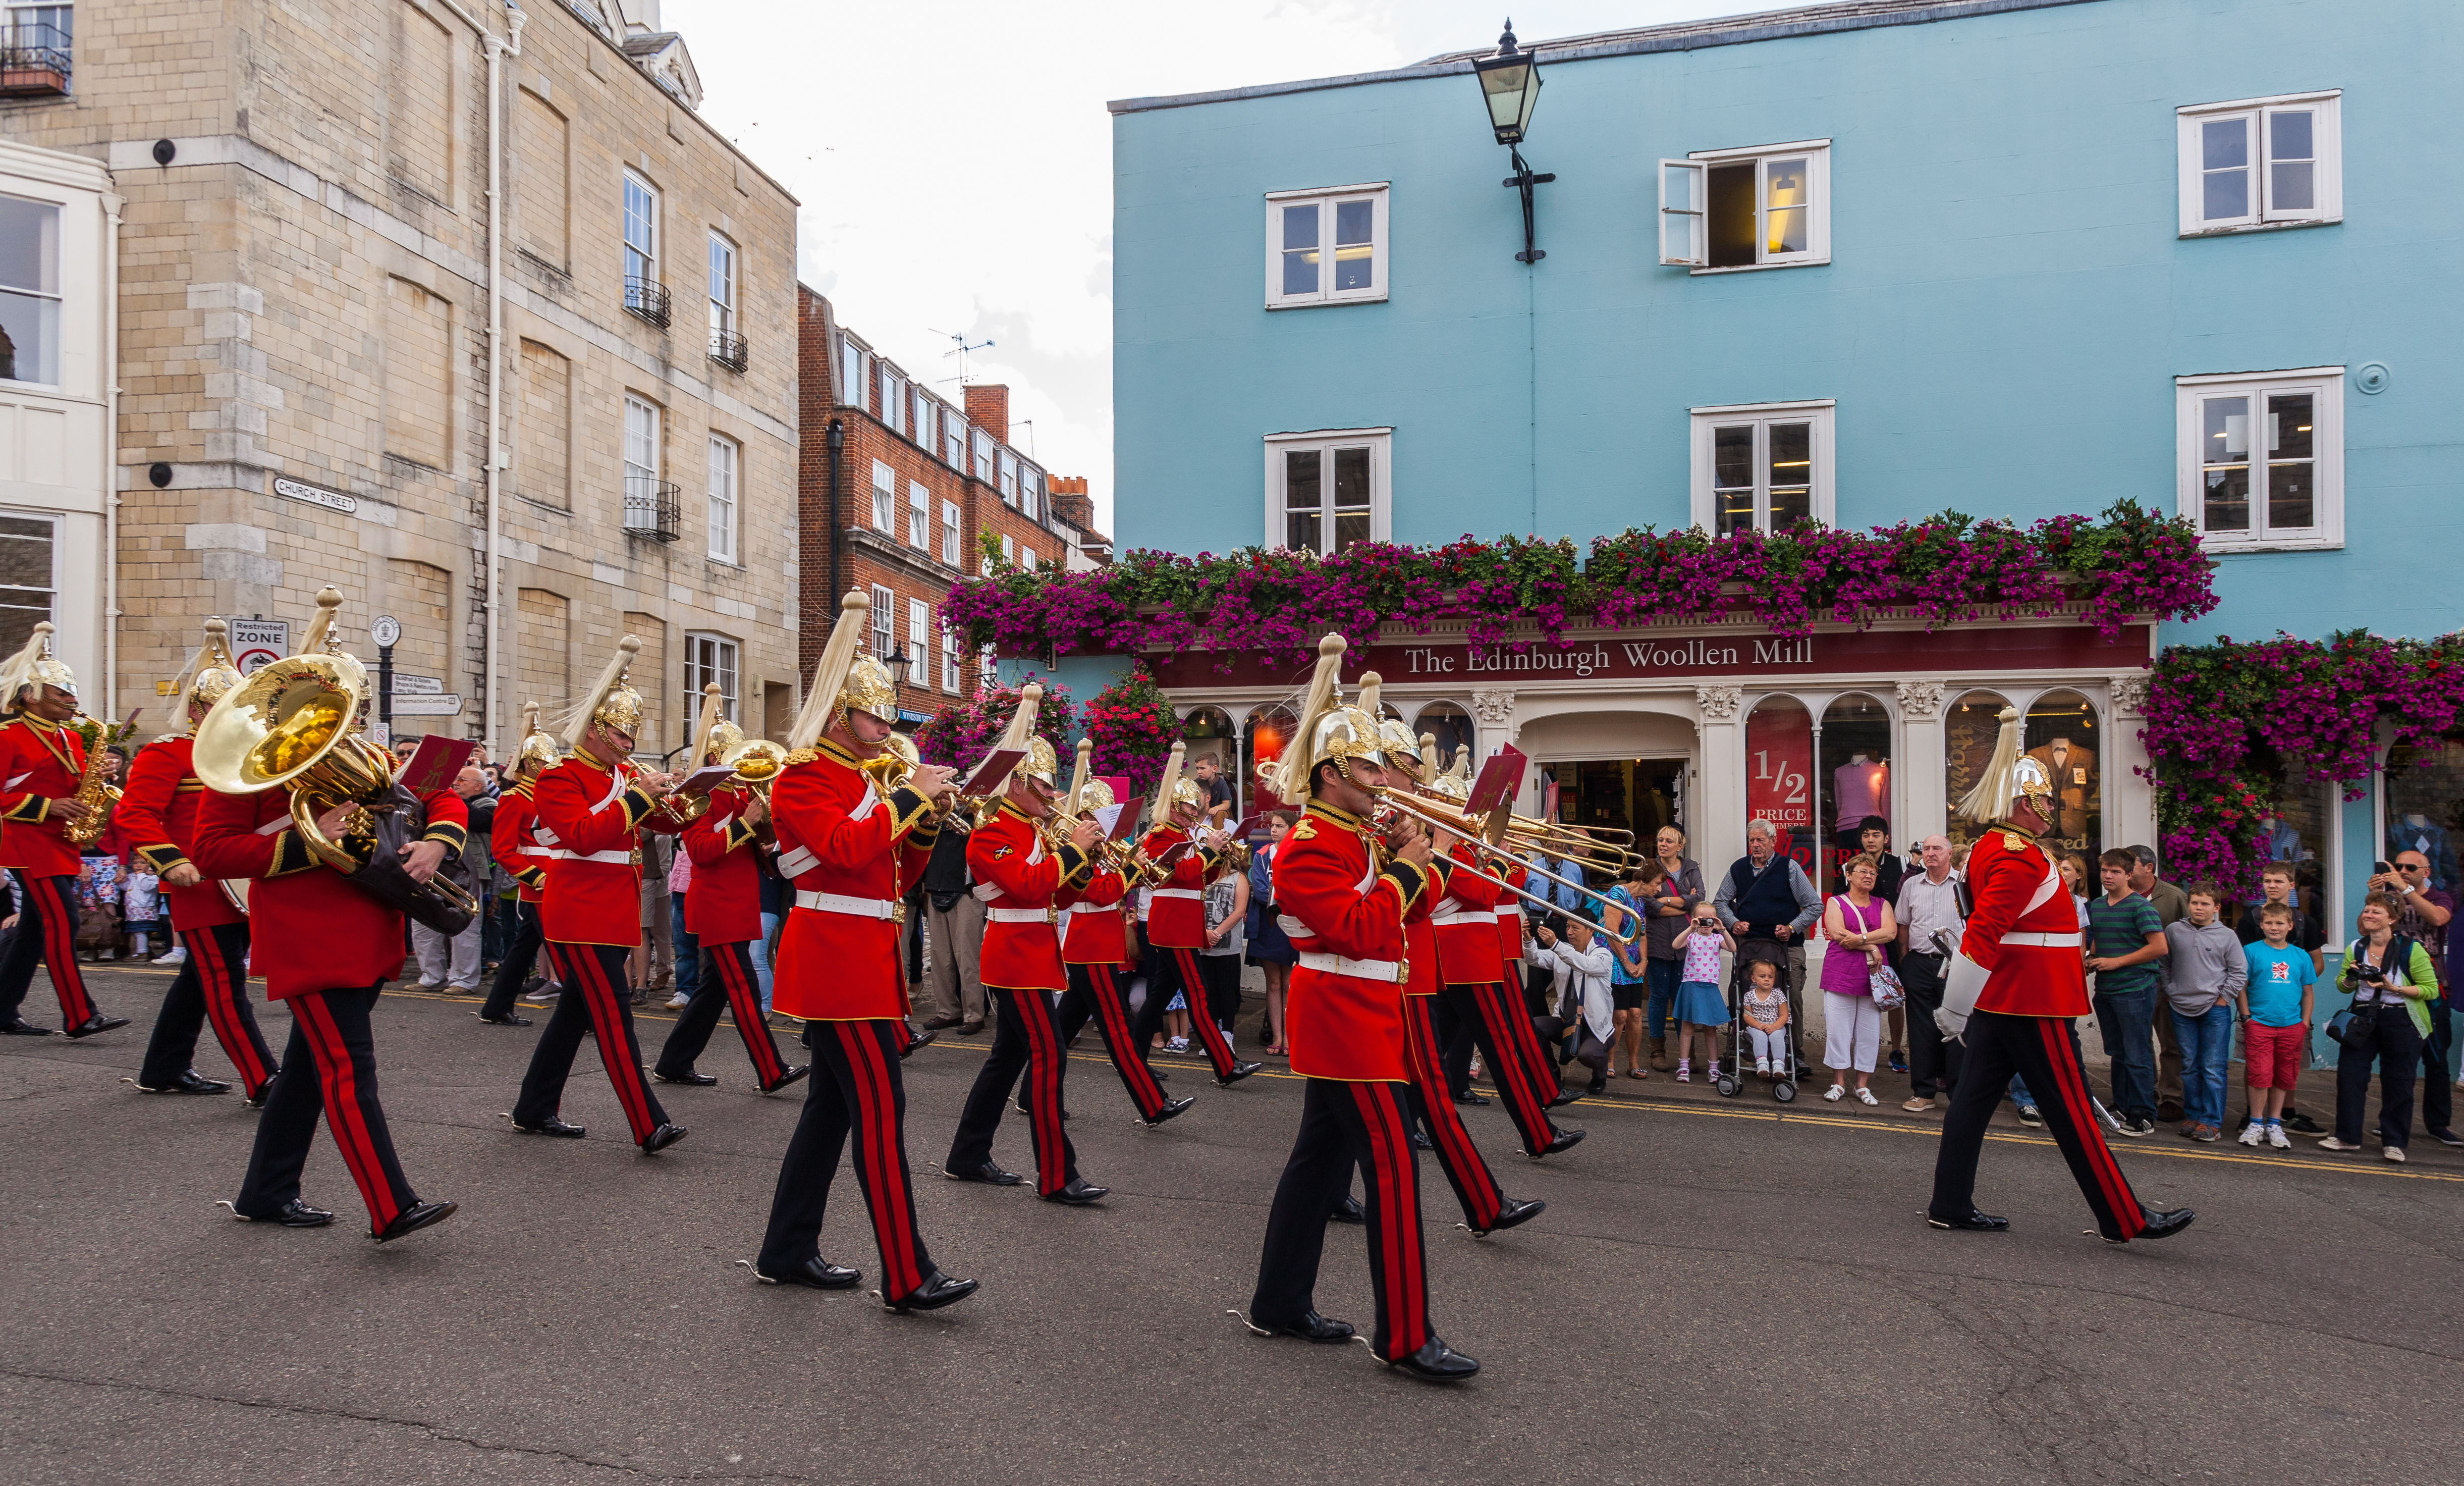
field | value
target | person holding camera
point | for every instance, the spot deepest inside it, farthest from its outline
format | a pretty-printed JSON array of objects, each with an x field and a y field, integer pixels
[{"x": 2392, "y": 983}]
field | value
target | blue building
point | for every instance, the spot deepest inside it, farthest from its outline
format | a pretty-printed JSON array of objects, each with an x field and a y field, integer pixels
[{"x": 1864, "y": 261}]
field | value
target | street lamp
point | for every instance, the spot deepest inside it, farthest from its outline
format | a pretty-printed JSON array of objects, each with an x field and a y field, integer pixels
[{"x": 1509, "y": 84}]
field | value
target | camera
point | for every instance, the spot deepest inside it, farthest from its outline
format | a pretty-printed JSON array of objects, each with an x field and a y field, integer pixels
[{"x": 2370, "y": 972}]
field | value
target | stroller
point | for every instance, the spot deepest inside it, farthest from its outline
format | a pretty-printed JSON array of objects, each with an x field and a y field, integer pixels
[{"x": 1733, "y": 1079}]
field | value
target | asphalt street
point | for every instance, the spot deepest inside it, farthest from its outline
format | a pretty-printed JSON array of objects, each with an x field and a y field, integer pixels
[{"x": 1718, "y": 1292}]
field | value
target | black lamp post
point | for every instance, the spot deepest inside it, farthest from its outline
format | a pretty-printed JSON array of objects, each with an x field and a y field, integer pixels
[{"x": 1510, "y": 84}]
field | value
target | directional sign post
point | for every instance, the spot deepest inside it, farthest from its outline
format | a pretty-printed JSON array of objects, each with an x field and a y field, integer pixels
[{"x": 428, "y": 704}]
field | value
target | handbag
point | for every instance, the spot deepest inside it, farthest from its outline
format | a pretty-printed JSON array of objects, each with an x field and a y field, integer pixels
[
  {"x": 1883, "y": 983},
  {"x": 2340, "y": 1024}
]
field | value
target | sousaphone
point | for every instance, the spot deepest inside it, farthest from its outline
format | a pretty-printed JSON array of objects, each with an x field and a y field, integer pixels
[{"x": 291, "y": 725}]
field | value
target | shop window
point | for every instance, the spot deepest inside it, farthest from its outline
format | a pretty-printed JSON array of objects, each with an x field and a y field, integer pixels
[
  {"x": 1853, "y": 774},
  {"x": 1969, "y": 730},
  {"x": 2424, "y": 791},
  {"x": 1762, "y": 467},
  {"x": 2061, "y": 736},
  {"x": 1206, "y": 733},
  {"x": 2261, "y": 457},
  {"x": 2296, "y": 830},
  {"x": 1637, "y": 796},
  {"x": 1449, "y": 724},
  {"x": 1263, "y": 740},
  {"x": 1779, "y": 773}
]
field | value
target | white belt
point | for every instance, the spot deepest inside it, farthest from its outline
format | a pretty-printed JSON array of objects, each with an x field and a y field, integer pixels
[
  {"x": 852, "y": 908},
  {"x": 1387, "y": 970},
  {"x": 623, "y": 858},
  {"x": 798, "y": 862},
  {"x": 1020, "y": 916},
  {"x": 1178, "y": 891},
  {"x": 2069, "y": 941},
  {"x": 1465, "y": 916}
]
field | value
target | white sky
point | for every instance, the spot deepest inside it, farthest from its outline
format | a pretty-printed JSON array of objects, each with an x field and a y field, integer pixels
[{"x": 955, "y": 160}]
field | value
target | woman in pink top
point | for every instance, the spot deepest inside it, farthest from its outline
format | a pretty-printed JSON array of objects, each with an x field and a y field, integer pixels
[{"x": 1857, "y": 925}]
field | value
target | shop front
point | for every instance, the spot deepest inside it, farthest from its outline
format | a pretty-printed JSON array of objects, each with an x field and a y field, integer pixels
[{"x": 1708, "y": 726}]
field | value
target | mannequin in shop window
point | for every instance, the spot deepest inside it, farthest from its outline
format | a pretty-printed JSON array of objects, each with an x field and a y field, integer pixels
[
  {"x": 2415, "y": 832},
  {"x": 1859, "y": 788},
  {"x": 2071, "y": 765}
]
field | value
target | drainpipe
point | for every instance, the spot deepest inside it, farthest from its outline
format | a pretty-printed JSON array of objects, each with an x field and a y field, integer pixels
[
  {"x": 112, "y": 201},
  {"x": 492, "y": 633},
  {"x": 838, "y": 522}
]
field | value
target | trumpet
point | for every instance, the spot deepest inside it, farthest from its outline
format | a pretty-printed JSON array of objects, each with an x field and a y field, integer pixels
[
  {"x": 1395, "y": 805},
  {"x": 757, "y": 761}
]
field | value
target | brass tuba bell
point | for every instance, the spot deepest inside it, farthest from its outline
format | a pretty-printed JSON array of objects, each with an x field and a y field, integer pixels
[{"x": 757, "y": 761}]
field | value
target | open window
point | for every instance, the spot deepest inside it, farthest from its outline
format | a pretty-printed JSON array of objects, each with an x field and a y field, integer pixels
[{"x": 1767, "y": 207}]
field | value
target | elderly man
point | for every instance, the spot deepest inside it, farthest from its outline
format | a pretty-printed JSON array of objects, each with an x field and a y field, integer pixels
[
  {"x": 1767, "y": 901},
  {"x": 1930, "y": 923},
  {"x": 453, "y": 964}
]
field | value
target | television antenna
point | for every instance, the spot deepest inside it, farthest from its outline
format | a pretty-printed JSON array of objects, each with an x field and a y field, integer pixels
[{"x": 961, "y": 349}]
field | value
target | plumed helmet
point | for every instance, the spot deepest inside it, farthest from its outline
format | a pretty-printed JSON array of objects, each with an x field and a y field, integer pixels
[
  {"x": 1346, "y": 733},
  {"x": 2010, "y": 777},
  {"x": 1402, "y": 747},
  {"x": 869, "y": 688},
  {"x": 1326, "y": 730},
  {"x": 34, "y": 665},
  {"x": 215, "y": 672},
  {"x": 1041, "y": 764},
  {"x": 1096, "y": 796},
  {"x": 1186, "y": 791},
  {"x": 611, "y": 701},
  {"x": 725, "y": 738}
]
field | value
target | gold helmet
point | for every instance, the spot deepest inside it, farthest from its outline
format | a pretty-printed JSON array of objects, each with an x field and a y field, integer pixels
[
  {"x": 1327, "y": 731},
  {"x": 538, "y": 751},
  {"x": 611, "y": 701},
  {"x": 1454, "y": 782},
  {"x": 34, "y": 665},
  {"x": 1040, "y": 764},
  {"x": 725, "y": 739},
  {"x": 1401, "y": 748},
  {"x": 2010, "y": 777},
  {"x": 844, "y": 681},
  {"x": 212, "y": 672},
  {"x": 1096, "y": 796}
]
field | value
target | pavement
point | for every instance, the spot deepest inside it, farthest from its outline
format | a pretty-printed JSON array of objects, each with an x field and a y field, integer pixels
[{"x": 1720, "y": 1291}]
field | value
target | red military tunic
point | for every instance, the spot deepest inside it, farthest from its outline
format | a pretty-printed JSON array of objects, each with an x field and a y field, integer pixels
[
  {"x": 1466, "y": 921},
  {"x": 723, "y": 899},
  {"x": 1509, "y": 915},
  {"x": 1344, "y": 1014},
  {"x": 1093, "y": 934},
  {"x": 309, "y": 928},
  {"x": 1021, "y": 886},
  {"x": 1420, "y": 938},
  {"x": 2031, "y": 955},
  {"x": 39, "y": 762},
  {"x": 850, "y": 855},
  {"x": 513, "y": 841},
  {"x": 1177, "y": 915},
  {"x": 588, "y": 820},
  {"x": 158, "y": 813}
]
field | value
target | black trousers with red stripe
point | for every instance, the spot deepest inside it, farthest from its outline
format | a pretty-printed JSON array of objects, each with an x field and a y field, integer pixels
[
  {"x": 516, "y": 967},
  {"x": 595, "y": 1004},
  {"x": 726, "y": 981},
  {"x": 1494, "y": 1019},
  {"x": 1466, "y": 1172},
  {"x": 1342, "y": 1124},
  {"x": 52, "y": 943},
  {"x": 2040, "y": 1050},
  {"x": 1177, "y": 969},
  {"x": 1094, "y": 993},
  {"x": 211, "y": 986},
  {"x": 331, "y": 1070},
  {"x": 1029, "y": 1039},
  {"x": 855, "y": 1091}
]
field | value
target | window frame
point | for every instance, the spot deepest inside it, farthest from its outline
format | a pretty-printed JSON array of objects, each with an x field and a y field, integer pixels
[
  {"x": 1818, "y": 213},
  {"x": 1008, "y": 466},
  {"x": 725, "y": 665},
  {"x": 1821, "y": 500},
  {"x": 950, "y": 658},
  {"x": 855, "y": 379},
  {"x": 1380, "y": 245},
  {"x": 950, "y": 546},
  {"x": 2326, "y": 386},
  {"x": 1380, "y": 442},
  {"x": 884, "y": 500},
  {"x": 979, "y": 455},
  {"x": 725, "y": 512},
  {"x": 883, "y": 628},
  {"x": 954, "y": 439},
  {"x": 648, "y": 250},
  {"x": 919, "y": 516},
  {"x": 2327, "y": 168},
  {"x": 723, "y": 275},
  {"x": 54, "y": 296},
  {"x": 59, "y": 535},
  {"x": 920, "y": 643},
  {"x": 893, "y": 398}
]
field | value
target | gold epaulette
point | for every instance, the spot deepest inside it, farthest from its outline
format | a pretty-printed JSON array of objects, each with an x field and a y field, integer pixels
[{"x": 801, "y": 756}]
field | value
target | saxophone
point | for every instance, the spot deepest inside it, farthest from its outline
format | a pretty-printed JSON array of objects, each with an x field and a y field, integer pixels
[{"x": 92, "y": 792}]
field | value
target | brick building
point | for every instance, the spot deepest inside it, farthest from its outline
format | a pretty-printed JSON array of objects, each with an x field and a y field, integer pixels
[
  {"x": 919, "y": 483},
  {"x": 335, "y": 364}
]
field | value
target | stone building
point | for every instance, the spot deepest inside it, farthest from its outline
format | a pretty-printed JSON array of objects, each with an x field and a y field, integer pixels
[
  {"x": 901, "y": 490},
  {"x": 336, "y": 364}
]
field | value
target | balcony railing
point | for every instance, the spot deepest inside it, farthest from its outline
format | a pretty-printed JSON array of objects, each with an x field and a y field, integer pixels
[
  {"x": 728, "y": 350},
  {"x": 649, "y": 299},
  {"x": 653, "y": 509},
  {"x": 33, "y": 60}
]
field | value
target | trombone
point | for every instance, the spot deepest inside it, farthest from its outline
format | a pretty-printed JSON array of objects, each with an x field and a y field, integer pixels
[{"x": 1435, "y": 816}]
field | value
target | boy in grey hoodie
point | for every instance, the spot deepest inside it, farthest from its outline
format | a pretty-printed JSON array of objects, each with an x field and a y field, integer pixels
[{"x": 2205, "y": 969}]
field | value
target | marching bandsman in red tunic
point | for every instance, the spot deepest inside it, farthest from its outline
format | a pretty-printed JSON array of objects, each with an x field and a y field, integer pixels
[
  {"x": 324, "y": 943},
  {"x": 723, "y": 913},
  {"x": 158, "y": 812},
  {"x": 850, "y": 852},
  {"x": 1022, "y": 885},
  {"x": 1345, "y": 1021},
  {"x": 1094, "y": 946},
  {"x": 1176, "y": 921},
  {"x": 1474, "y": 973},
  {"x": 2009, "y": 996},
  {"x": 513, "y": 843},
  {"x": 42, "y": 762},
  {"x": 1484, "y": 1207},
  {"x": 591, "y": 808}
]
